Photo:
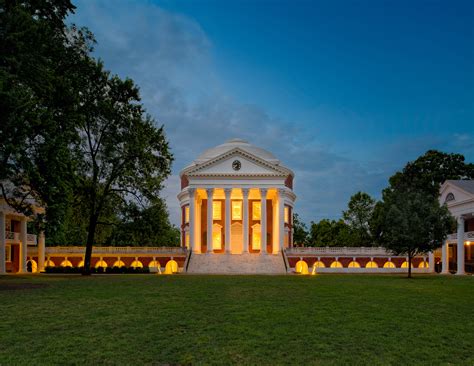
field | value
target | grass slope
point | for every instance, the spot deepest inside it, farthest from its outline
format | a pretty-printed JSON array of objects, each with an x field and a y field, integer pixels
[{"x": 325, "y": 319}]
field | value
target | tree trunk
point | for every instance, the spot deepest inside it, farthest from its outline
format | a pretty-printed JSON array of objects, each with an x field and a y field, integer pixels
[
  {"x": 409, "y": 265},
  {"x": 86, "y": 271}
]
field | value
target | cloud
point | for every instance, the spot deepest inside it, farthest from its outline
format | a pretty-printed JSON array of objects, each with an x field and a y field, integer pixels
[{"x": 171, "y": 58}]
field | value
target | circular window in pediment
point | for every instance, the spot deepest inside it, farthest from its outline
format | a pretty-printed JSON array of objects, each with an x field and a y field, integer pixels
[
  {"x": 236, "y": 165},
  {"x": 449, "y": 197}
]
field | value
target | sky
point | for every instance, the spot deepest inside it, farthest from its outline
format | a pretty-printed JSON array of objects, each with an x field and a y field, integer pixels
[{"x": 344, "y": 93}]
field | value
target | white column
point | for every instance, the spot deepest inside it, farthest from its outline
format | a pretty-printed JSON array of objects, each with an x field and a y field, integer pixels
[
  {"x": 460, "y": 270},
  {"x": 192, "y": 219},
  {"x": 210, "y": 215},
  {"x": 227, "y": 192},
  {"x": 263, "y": 220},
  {"x": 245, "y": 219},
  {"x": 445, "y": 257},
  {"x": 3, "y": 241},
  {"x": 281, "y": 217},
  {"x": 41, "y": 251},
  {"x": 23, "y": 245},
  {"x": 431, "y": 262}
]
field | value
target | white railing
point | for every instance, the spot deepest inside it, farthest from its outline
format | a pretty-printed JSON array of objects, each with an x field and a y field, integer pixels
[
  {"x": 339, "y": 251},
  {"x": 12, "y": 237},
  {"x": 117, "y": 250},
  {"x": 469, "y": 235}
]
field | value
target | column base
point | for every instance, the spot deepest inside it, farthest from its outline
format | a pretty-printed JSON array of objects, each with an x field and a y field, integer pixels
[{"x": 460, "y": 273}]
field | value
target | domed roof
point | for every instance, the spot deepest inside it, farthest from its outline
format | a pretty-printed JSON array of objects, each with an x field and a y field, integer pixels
[{"x": 236, "y": 143}]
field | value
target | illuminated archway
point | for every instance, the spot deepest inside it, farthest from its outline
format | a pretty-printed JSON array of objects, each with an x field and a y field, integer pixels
[
  {"x": 371, "y": 264},
  {"x": 389, "y": 264},
  {"x": 154, "y": 264},
  {"x": 301, "y": 267},
  {"x": 318, "y": 264},
  {"x": 101, "y": 264},
  {"x": 81, "y": 264},
  {"x": 405, "y": 265},
  {"x": 32, "y": 266},
  {"x": 136, "y": 264},
  {"x": 171, "y": 267},
  {"x": 49, "y": 263},
  {"x": 354, "y": 264},
  {"x": 424, "y": 264},
  {"x": 336, "y": 264},
  {"x": 119, "y": 263},
  {"x": 66, "y": 263}
]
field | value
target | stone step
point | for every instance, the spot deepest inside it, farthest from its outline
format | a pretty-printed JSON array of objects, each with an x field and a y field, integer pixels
[{"x": 236, "y": 264}]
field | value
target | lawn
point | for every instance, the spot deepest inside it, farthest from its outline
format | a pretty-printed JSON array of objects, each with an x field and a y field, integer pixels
[{"x": 151, "y": 319}]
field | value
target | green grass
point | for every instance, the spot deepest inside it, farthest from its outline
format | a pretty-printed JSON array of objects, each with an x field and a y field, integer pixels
[{"x": 325, "y": 319}]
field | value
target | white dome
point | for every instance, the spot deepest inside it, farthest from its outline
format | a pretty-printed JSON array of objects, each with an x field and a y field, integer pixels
[{"x": 232, "y": 144}]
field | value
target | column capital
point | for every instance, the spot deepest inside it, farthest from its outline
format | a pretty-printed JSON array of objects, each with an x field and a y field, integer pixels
[
  {"x": 281, "y": 191},
  {"x": 192, "y": 192},
  {"x": 263, "y": 192},
  {"x": 210, "y": 191},
  {"x": 245, "y": 192},
  {"x": 227, "y": 192},
  {"x": 460, "y": 220}
]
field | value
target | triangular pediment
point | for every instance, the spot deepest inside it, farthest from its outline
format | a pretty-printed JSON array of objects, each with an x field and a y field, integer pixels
[
  {"x": 451, "y": 194},
  {"x": 237, "y": 163}
]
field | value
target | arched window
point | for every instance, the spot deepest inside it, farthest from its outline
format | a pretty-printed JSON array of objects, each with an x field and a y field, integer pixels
[
  {"x": 171, "y": 267},
  {"x": 449, "y": 197},
  {"x": 66, "y": 263},
  {"x": 389, "y": 264},
  {"x": 354, "y": 264},
  {"x": 371, "y": 264},
  {"x": 154, "y": 264},
  {"x": 32, "y": 266},
  {"x": 405, "y": 265},
  {"x": 336, "y": 264},
  {"x": 318, "y": 264}
]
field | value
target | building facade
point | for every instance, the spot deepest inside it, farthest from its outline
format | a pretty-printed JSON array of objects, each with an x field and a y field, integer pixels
[{"x": 236, "y": 198}]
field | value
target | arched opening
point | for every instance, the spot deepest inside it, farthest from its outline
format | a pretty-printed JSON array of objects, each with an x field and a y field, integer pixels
[
  {"x": 49, "y": 263},
  {"x": 336, "y": 264},
  {"x": 66, "y": 263},
  {"x": 171, "y": 267},
  {"x": 318, "y": 264},
  {"x": 136, "y": 264},
  {"x": 389, "y": 264},
  {"x": 119, "y": 263},
  {"x": 424, "y": 264},
  {"x": 154, "y": 264},
  {"x": 405, "y": 265},
  {"x": 301, "y": 267},
  {"x": 32, "y": 266},
  {"x": 354, "y": 264},
  {"x": 81, "y": 264},
  {"x": 371, "y": 264},
  {"x": 101, "y": 264}
]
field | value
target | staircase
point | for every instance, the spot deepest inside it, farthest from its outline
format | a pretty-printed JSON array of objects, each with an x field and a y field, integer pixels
[{"x": 244, "y": 263}]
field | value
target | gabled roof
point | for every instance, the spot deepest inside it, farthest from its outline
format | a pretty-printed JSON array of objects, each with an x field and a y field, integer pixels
[{"x": 465, "y": 185}]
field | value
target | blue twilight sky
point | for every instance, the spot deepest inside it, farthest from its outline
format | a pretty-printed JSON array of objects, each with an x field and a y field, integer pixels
[{"x": 343, "y": 92}]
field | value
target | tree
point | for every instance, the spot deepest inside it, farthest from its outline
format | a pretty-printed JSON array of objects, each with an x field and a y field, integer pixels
[
  {"x": 411, "y": 223},
  {"x": 429, "y": 171},
  {"x": 124, "y": 158},
  {"x": 300, "y": 231},
  {"x": 358, "y": 215},
  {"x": 330, "y": 233}
]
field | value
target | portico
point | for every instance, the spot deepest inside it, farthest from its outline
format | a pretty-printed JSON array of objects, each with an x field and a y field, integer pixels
[{"x": 236, "y": 198}]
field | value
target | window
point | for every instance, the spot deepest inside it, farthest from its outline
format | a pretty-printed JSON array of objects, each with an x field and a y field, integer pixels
[
  {"x": 449, "y": 197},
  {"x": 287, "y": 215},
  {"x": 236, "y": 210},
  {"x": 186, "y": 214},
  {"x": 216, "y": 237},
  {"x": 256, "y": 210},
  {"x": 8, "y": 253},
  {"x": 216, "y": 210}
]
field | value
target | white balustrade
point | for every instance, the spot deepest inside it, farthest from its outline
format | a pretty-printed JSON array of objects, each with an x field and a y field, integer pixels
[{"x": 116, "y": 250}]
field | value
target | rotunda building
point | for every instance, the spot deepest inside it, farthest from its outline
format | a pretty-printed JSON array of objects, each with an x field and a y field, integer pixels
[{"x": 236, "y": 198}]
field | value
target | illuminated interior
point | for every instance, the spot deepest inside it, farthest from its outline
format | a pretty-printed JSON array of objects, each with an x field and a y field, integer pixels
[
  {"x": 186, "y": 239},
  {"x": 405, "y": 265},
  {"x": 287, "y": 215},
  {"x": 66, "y": 263},
  {"x": 216, "y": 210},
  {"x": 423, "y": 265},
  {"x": 81, "y": 264},
  {"x": 34, "y": 265},
  {"x": 301, "y": 267},
  {"x": 236, "y": 210},
  {"x": 216, "y": 237},
  {"x": 371, "y": 264},
  {"x": 49, "y": 263},
  {"x": 171, "y": 267},
  {"x": 389, "y": 264},
  {"x": 154, "y": 264},
  {"x": 354, "y": 264},
  {"x": 336, "y": 264},
  {"x": 256, "y": 210},
  {"x": 256, "y": 239},
  {"x": 101, "y": 263},
  {"x": 319, "y": 264},
  {"x": 186, "y": 214},
  {"x": 119, "y": 263},
  {"x": 136, "y": 264}
]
